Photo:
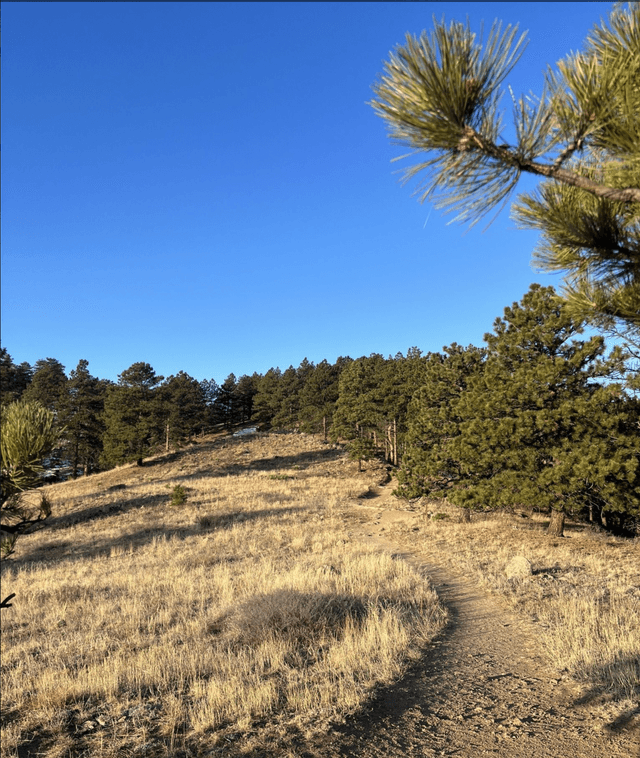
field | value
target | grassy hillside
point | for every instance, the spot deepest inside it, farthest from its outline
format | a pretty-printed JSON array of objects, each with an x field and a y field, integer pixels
[{"x": 239, "y": 621}]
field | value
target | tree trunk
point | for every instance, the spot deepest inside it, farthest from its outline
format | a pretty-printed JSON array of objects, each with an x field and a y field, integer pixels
[
  {"x": 395, "y": 442},
  {"x": 556, "y": 525},
  {"x": 76, "y": 461},
  {"x": 324, "y": 427}
]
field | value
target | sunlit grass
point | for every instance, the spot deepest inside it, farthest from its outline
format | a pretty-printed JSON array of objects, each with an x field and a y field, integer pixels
[
  {"x": 137, "y": 621},
  {"x": 583, "y": 594}
]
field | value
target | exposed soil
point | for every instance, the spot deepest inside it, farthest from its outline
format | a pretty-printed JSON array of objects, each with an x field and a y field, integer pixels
[{"x": 484, "y": 688}]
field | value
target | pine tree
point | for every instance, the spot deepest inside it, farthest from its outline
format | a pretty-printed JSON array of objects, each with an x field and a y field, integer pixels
[
  {"x": 318, "y": 397},
  {"x": 439, "y": 96},
  {"x": 134, "y": 416},
  {"x": 27, "y": 435},
  {"x": 48, "y": 385},
  {"x": 246, "y": 389},
  {"x": 291, "y": 385},
  {"x": 209, "y": 389},
  {"x": 534, "y": 425},
  {"x": 225, "y": 404},
  {"x": 185, "y": 407},
  {"x": 428, "y": 466},
  {"x": 403, "y": 376},
  {"x": 268, "y": 398},
  {"x": 14, "y": 380},
  {"x": 81, "y": 413},
  {"x": 359, "y": 415}
]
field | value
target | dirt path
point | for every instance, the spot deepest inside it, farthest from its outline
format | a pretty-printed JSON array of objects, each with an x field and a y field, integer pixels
[{"x": 484, "y": 690}]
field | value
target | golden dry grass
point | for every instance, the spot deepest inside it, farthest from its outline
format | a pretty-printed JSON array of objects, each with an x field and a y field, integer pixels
[
  {"x": 237, "y": 622},
  {"x": 583, "y": 594}
]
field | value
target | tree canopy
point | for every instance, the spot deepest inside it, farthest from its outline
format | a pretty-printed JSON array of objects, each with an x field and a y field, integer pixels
[
  {"x": 528, "y": 422},
  {"x": 439, "y": 96}
]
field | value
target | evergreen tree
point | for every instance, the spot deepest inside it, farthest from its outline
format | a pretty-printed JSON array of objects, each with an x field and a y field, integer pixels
[
  {"x": 134, "y": 416},
  {"x": 81, "y": 412},
  {"x": 48, "y": 385},
  {"x": 185, "y": 406},
  {"x": 403, "y": 376},
  {"x": 210, "y": 389},
  {"x": 434, "y": 420},
  {"x": 359, "y": 415},
  {"x": 318, "y": 397},
  {"x": 27, "y": 435},
  {"x": 14, "y": 380},
  {"x": 535, "y": 426},
  {"x": 291, "y": 385},
  {"x": 246, "y": 389},
  {"x": 225, "y": 404},
  {"x": 439, "y": 96},
  {"x": 268, "y": 398}
]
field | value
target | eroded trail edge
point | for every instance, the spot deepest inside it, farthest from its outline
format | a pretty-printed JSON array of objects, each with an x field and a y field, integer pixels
[{"x": 483, "y": 688}]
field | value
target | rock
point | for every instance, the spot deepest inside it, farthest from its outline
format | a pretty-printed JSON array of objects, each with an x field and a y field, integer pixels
[{"x": 518, "y": 567}]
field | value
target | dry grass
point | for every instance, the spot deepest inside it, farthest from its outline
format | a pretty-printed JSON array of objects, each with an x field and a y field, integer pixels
[
  {"x": 583, "y": 594},
  {"x": 235, "y": 623}
]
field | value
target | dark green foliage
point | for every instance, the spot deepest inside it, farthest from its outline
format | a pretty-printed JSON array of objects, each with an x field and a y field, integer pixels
[
  {"x": 81, "y": 412},
  {"x": 268, "y": 398},
  {"x": 14, "y": 380},
  {"x": 48, "y": 385},
  {"x": 531, "y": 425},
  {"x": 374, "y": 394},
  {"x": 246, "y": 389},
  {"x": 185, "y": 407},
  {"x": 291, "y": 385},
  {"x": 428, "y": 465},
  {"x": 225, "y": 405},
  {"x": 178, "y": 495},
  {"x": 210, "y": 389},
  {"x": 360, "y": 410},
  {"x": 134, "y": 415},
  {"x": 318, "y": 397}
]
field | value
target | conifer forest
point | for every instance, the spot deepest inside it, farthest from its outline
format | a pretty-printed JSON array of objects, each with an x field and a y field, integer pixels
[{"x": 538, "y": 417}]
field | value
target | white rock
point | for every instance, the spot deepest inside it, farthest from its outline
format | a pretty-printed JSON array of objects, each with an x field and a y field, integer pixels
[{"x": 518, "y": 567}]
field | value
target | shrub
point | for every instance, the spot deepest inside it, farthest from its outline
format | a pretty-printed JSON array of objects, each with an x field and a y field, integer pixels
[{"x": 179, "y": 495}]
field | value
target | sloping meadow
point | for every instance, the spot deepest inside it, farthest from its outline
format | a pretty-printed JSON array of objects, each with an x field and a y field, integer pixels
[{"x": 242, "y": 620}]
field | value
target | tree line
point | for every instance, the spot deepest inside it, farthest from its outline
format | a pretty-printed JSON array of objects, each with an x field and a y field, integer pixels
[
  {"x": 108, "y": 423},
  {"x": 536, "y": 418}
]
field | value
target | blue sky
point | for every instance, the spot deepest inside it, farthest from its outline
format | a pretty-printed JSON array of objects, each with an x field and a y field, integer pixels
[{"x": 203, "y": 186}]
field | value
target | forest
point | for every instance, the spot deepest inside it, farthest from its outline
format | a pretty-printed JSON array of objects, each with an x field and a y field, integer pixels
[{"x": 539, "y": 417}]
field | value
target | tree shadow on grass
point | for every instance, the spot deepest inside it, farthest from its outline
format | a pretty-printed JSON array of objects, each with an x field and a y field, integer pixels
[
  {"x": 301, "y": 462},
  {"x": 98, "y": 547},
  {"x": 601, "y": 676}
]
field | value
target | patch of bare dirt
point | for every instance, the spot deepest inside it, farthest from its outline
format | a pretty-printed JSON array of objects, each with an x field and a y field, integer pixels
[{"x": 484, "y": 688}]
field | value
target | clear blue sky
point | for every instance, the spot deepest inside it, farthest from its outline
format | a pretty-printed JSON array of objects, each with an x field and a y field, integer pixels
[{"x": 202, "y": 186}]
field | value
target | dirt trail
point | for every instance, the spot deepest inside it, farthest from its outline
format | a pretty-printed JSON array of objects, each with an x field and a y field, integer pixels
[{"x": 485, "y": 689}]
